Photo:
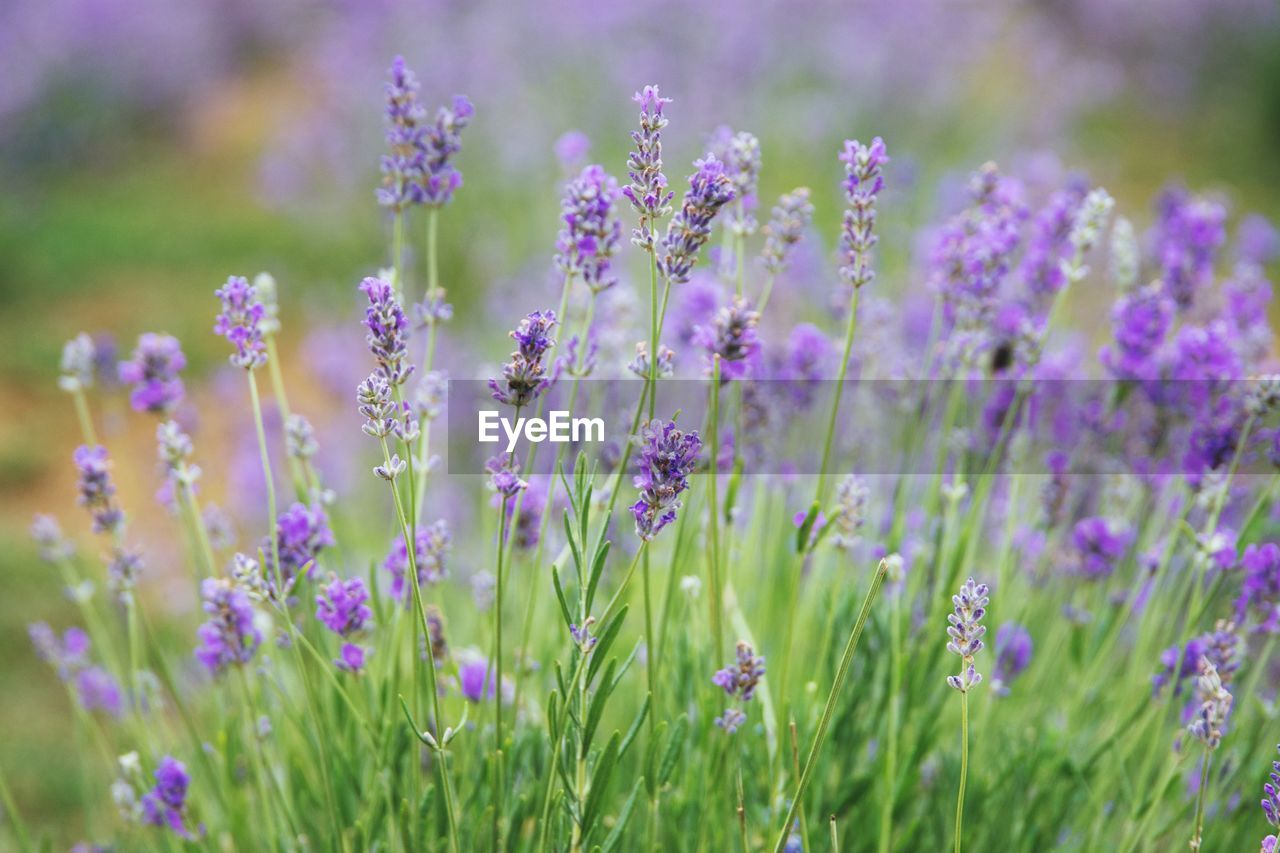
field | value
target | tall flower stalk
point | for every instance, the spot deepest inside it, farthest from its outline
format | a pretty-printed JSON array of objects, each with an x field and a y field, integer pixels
[{"x": 965, "y": 632}]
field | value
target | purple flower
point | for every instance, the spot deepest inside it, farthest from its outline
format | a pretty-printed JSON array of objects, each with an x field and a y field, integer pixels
[
  {"x": 1260, "y": 590},
  {"x": 667, "y": 456},
  {"x": 1140, "y": 322},
  {"x": 1271, "y": 800},
  {"x": 228, "y": 637},
  {"x": 966, "y": 631},
  {"x": 66, "y": 655},
  {"x": 1185, "y": 662},
  {"x": 504, "y": 476},
  {"x": 402, "y": 167},
  {"x": 1100, "y": 546},
  {"x": 524, "y": 377},
  {"x": 341, "y": 606},
  {"x": 433, "y": 545},
  {"x": 709, "y": 190},
  {"x": 732, "y": 336},
  {"x": 731, "y": 720},
  {"x": 165, "y": 804},
  {"x": 475, "y": 679},
  {"x": 1185, "y": 242},
  {"x": 571, "y": 148},
  {"x": 302, "y": 532},
  {"x": 809, "y": 355},
  {"x": 648, "y": 191},
  {"x": 863, "y": 181},
  {"x": 50, "y": 541},
  {"x": 97, "y": 492},
  {"x": 98, "y": 691},
  {"x": 388, "y": 335},
  {"x": 740, "y": 153},
  {"x": 1211, "y": 719},
  {"x": 175, "y": 449},
  {"x": 1013, "y": 655},
  {"x": 786, "y": 226},
  {"x": 153, "y": 373},
  {"x": 440, "y": 141},
  {"x": 591, "y": 231},
  {"x": 352, "y": 658},
  {"x": 241, "y": 322},
  {"x": 1048, "y": 243},
  {"x": 1257, "y": 240},
  {"x": 741, "y": 678}
]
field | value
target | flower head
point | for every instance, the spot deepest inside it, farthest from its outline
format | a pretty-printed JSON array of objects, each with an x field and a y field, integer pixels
[
  {"x": 1100, "y": 545},
  {"x": 388, "y": 330},
  {"x": 1260, "y": 589},
  {"x": 1140, "y": 322},
  {"x": 241, "y": 322},
  {"x": 302, "y": 533},
  {"x": 175, "y": 449},
  {"x": 153, "y": 372},
  {"x": 648, "y": 191},
  {"x": 741, "y": 155},
  {"x": 732, "y": 336},
  {"x": 418, "y": 168},
  {"x": 1271, "y": 797},
  {"x": 787, "y": 224},
  {"x": 352, "y": 658},
  {"x": 966, "y": 631},
  {"x": 1013, "y": 655},
  {"x": 166, "y": 803},
  {"x": 524, "y": 377},
  {"x": 434, "y": 542},
  {"x": 667, "y": 456},
  {"x": 741, "y": 678},
  {"x": 77, "y": 364},
  {"x": 590, "y": 230},
  {"x": 228, "y": 637},
  {"x": 97, "y": 492},
  {"x": 50, "y": 541},
  {"x": 709, "y": 190},
  {"x": 864, "y": 179},
  {"x": 1211, "y": 719},
  {"x": 341, "y": 606}
]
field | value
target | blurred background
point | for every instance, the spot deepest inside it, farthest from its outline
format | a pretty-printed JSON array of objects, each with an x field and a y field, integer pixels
[{"x": 150, "y": 148}]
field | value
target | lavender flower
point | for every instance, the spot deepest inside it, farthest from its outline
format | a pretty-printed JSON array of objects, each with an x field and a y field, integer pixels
[
  {"x": 440, "y": 141},
  {"x": 376, "y": 405},
  {"x": 51, "y": 543},
  {"x": 640, "y": 364},
  {"x": 1271, "y": 803},
  {"x": 98, "y": 691},
  {"x": 352, "y": 658},
  {"x": 741, "y": 155},
  {"x": 1140, "y": 321},
  {"x": 591, "y": 231},
  {"x": 302, "y": 533},
  {"x": 67, "y": 655},
  {"x": 863, "y": 181},
  {"x": 228, "y": 637},
  {"x": 786, "y": 226},
  {"x": 732, "y": 336},
  {"x": 153, "y": 373},
  {"x": 388, "y": 335},
  {"x": 77, "y": 364},
  {"x": 434, "y": 542},
  {"x": 1124, "y": 254},
  {"x": 731, "y": 720},
  {"x": 667, "y": 456},
  {"x": 1100, "y": 545},
  {"x": 175, "y": 451},
  {"x": 122, "y": 572},
  {"x": 435, "y": 635},
  {"x": 525, "y": 375},
  {"x": 966, "y": 631},
  {"x": 97, "y": 492},
  {"x": 648, "y": 191},
  {"x": 709, "y": 190},
  {"x": 1042, "y": 267},
  {"x": 341, "y": 606},
  {"x": 504, "y": 476},
  {"x": 475, "y": 678},
  {"x": 740, "y": 679},
  {"x": 1260, "y": 589},
  {"x": 1185, "y": 241},
  {"x": 166, "y": 803},
  {"x": 240, "y": 322},
  {"x": 1211, "y": 719},
  {"x": 850, "y": 512},
  {"x": 1013, "y": 655},
  {"x": 402, "y": 167},
  {"x": 300, "y": 438}
]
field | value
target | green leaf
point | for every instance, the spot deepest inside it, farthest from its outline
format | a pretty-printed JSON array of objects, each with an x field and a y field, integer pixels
[
  {"x": 674, "y": 746},
  {"x": 596, "y": 710},
  {"x": 614, "y": 837},
  {"x": 600, "y": 783},
  {"x": 635, "y": 725},
  {"x": 608, "y": 634},
  {"x": 597, "y": 569},
  {"x": 564, "y": 605}
]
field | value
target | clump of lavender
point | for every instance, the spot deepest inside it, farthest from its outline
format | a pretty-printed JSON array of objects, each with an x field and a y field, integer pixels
[
  {"x": 787, "y": 224},
  {"x": 97, "y": 492},
  {"x": 966, "y": 631},
  {"x": 228, "y": 637},
  {"x": 731, "y": 335},
  {"x": 153, "y": 372},
  {"x": 1013, "y": 649},
  {"x": 709, "y": 190},
  {"x": 648, "y": 191},
  {"x": 591, "y": 232},
  {"x": 388, "y": 335},
  {"x": 525, "y": 377},
  {"x": 1271, "y": 805},
  {"x": 864, "y": 179},
  {"x": 739, "y": 681},
  {"x": 240, "y": 322},
  {"x": 434, "y": 542},
  {"x": 166, "y": 803},
  {"x": 667, "y": 456}
]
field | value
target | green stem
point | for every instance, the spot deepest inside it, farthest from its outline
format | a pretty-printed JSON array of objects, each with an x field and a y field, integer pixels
[
  {"x": 1198, "y": 834},
  {"x": 85, "y": 418},
  {"x": 15, "y": 818},
  {"x": 713, "y": 516},
  {"x": 891, "y": 738},
  {"x": 828, "y": 710},
  {"x": 964, "y": 763},
  {"x": 839, "y": 391},
  {"x": 267, "y": 478}
]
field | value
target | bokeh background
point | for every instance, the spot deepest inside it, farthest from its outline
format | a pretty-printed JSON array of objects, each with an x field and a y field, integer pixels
[{"x": 149, "y": 148}]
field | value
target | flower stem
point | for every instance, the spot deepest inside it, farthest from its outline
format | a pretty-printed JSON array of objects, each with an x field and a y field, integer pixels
[
  {"x": 85, "y": 418},
  {"x": 1197, "y": 835},
  {"x": 964, "y": 763},
  {"x": 828, "y": 710},
  {"x": 267, "y": 478}
]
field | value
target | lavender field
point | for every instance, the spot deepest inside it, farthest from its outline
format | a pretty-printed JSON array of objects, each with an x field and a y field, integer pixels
[{"x": 752, "y": 427}]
